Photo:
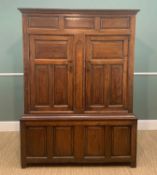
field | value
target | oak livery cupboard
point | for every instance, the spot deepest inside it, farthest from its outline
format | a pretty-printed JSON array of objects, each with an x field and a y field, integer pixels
[{"x": 78, "y": 87}]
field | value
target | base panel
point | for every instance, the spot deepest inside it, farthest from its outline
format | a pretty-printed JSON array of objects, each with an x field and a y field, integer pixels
[{"x": 80, "y": 140}]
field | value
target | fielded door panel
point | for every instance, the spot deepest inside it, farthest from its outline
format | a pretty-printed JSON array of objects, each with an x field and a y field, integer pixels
[
  {"x": 106, "y": 73},
  {"x": 36, "y": 138},
  {"x": 51, "y": 74}
]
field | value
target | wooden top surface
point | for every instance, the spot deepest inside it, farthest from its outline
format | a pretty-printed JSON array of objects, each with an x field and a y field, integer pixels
[
  {"x": 85, "y": 11},
  {"x": 77, "y": 118}
]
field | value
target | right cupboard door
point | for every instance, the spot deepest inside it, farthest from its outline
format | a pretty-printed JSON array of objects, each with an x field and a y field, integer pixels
[{"x": 106, "y": 74}]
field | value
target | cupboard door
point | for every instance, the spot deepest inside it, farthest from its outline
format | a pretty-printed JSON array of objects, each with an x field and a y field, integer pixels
[
  {"x": 51, "y": 74},
  {"x": 106, "y": 73}
]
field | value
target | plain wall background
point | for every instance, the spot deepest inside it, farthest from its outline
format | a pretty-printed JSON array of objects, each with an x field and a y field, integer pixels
[{"x": 11, "y": 88}]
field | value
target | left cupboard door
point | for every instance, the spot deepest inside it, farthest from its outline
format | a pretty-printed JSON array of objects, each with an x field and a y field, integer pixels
[{"x": 51, "y": 74}]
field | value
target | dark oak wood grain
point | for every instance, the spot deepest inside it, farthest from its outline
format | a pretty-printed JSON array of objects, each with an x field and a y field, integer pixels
[
  {"x": 78, "y": 86},
  {"x": 77, "y": 140}
]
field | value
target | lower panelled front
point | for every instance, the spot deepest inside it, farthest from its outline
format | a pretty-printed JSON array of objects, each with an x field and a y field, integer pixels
[{"x": 78, "y": 141}]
